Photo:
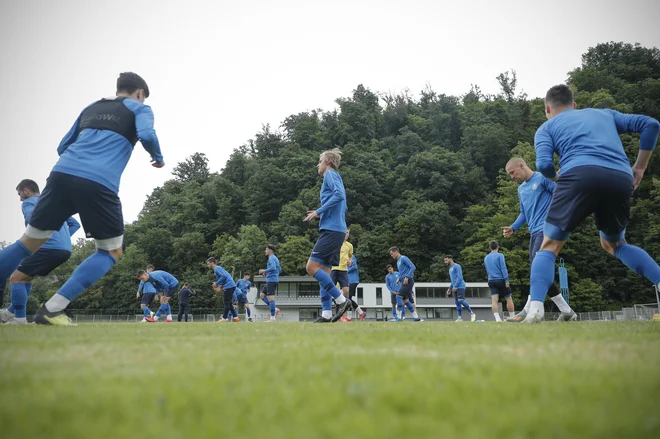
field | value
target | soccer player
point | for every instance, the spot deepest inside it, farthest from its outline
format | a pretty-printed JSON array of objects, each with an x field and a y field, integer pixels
[
  {"x": 243, "y": 287},
  {"x": 332, "y": 225},
  {"x": 392, "y": 283},
  {"x": 162, "y": 281},
  {"x": 55, "y": 252},
  {"x": 85, "y": 180},
  {"x": 184, "y": 301},
  {"x": 272, "y": 273},
  {"x": 339, "y": 273},
  {"x": 406, "y": 283},
  {"x": 535, "y": 194},
  {"x": 225, "y": 283},
  {"x": 148, "y": 294},
  {"x": 596, "y": 177},
  {"x": 457, "y": 288},
  {"x": 498, "y": 279},
  {"x": 353, "y": 281}
]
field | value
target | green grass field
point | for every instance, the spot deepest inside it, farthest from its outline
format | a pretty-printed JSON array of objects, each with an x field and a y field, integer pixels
[{"x": 298, "y": 380}]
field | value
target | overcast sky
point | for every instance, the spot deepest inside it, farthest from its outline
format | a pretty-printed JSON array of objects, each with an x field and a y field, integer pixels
[{"x": 218, "y": 70}]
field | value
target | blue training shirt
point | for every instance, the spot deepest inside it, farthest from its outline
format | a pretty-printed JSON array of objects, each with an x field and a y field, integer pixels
[
  {"x": 390, "y": 282},
  {"x": 590, "y": 137},
  {"x": 146, "y": 287},
  {"x": 163, "y": 280},
  {"x": 496, "y": 266},
  {"x": 353, "y": 273},
  {"x": 406, "y": 267},
  {"x": 223, "y": 278},
  {"x": 244, "y": 286},
  {"x": 102, "y": 155},
  {"x": 535, "y": 196},
  {"x": 273, "y": 269},
  {"x": 61, "y": 239},
  {"x": 333, "y": 203},
  {"x": 456, "y": 276}
]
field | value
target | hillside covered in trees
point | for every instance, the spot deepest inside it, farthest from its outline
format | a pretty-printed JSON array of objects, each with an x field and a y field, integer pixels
[{"x": 422, "y": 172}]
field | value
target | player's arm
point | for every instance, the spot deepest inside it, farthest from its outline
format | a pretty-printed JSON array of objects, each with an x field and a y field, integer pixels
[
  {"x": 27, "y": 209},
  {"x": 144, "y": 124},
  {"x": 548, "y": 185},
  {"x": 140, "y": 287},
  {"x": 545, "y": 152},
  {"x": 74, "y": 225},
  {"x": 70, "y": 137},
  {"x": 504, "y": 270},
  {"x": 517, "y": 224},
  {"x": 648, "y": 129}
]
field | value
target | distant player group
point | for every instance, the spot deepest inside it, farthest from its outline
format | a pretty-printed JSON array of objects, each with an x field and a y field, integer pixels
[{"x": 596, "y": 178}]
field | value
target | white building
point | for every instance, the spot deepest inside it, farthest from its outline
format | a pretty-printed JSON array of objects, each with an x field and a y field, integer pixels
[{"x": 298, "y": 299}]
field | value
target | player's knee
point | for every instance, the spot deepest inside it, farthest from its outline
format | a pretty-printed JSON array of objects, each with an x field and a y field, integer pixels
[
  {"x": 19, "y": 278},
  {"x": 112, "y": 246},
  {"x": 609, "y": 247}
]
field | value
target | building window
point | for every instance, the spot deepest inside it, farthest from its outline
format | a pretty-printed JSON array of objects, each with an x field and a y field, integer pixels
[
  {"x": 423, "y": 292},
  {"x": 360, "y": 296},
  {"x": 430, "y": 313},
  {"x": 379, "y": 296},
  {"x": 283, "y": 289},
  {"x": 308, "y": 314},
  {"x": 308, "y": 289},
  {"x": 443, "y": 313}
]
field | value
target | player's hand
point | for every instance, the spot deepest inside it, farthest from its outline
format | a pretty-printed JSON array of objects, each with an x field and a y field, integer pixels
[
  {"x": 311, "y": 214},
  {"x": 405, "y": 281},
  {"x": 397, "y": 282},
  {"x": 507, "y": 285},
  {"x": 262, "y": 271},
  {"x": 453, "y": 290},
  {"x": 507, "y": 232},
  {"x": 638, "y": 174},
  {"x": 155, "y": 164},
  {"x": 138, "y": 295},
  {"x": 449, "y": 292}
]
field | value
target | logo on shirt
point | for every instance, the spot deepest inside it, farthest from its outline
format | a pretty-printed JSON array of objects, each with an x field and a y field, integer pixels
[{"x": 534, "y": 186}]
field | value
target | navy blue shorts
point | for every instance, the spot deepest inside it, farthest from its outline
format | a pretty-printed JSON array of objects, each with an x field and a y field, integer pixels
[
  {"x": 269, "y": 289},
  {"x": 327, "y": 248},
  {"x": 498, "y": 286},
  {"x": 43, "y": 261},
  {"x": 393, "y": 299},
  {"x": 65, "y": 195},
  {"x": 341, "y": 277},
  {"x": 147, "y": 298},
  {"x": 241, "y": 298},
  {"x": 590, "y": 189},
  {"x": 459, "y": 294},
  {"x": 171, "y": 291},
  {"x": 405, "y": 291},
  {"x": 535, "y": 242}
]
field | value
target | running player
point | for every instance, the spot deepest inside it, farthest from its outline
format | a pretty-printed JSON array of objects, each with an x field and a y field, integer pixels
[
  {"x": 406, "y": 283},
  {"x": 243, "y": 288},
  {"x": 457, "y": 288},
  {"x": 272, "y": 273},
  {"x": 498, "y": 280}
]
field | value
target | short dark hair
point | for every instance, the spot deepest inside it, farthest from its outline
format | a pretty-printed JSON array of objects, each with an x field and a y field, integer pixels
[
  {"x": 151, "y": 266},
  {"x": 130, "y": 82},
  {"x": 389, "y": 266},
  {"x": 211, "y": 260},
  {"x": 494, "y": 245},
  {"x": 140, "y": 273},
  {"x": 271, "y": 247},
  {"x": 186, "y": 284},
  {"x": 28, "y": 184},
  {"x": 559, "y": 96},
  {"x": 449, "y": 257},
  {"x": 247, "y": 273},
  {"x": 394, "y": 249}
]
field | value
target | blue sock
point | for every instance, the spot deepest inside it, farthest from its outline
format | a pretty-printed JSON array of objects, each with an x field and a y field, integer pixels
[
  {"x": 19, "y": 299},
  {"x": 147, "y": 311},
  {"x": 247, "y": 310},
  {"x": 271, "y": 304},
  {"x": 28, "y": 287},
  {"x": 11, "y": 257},
  {"x": 638, "y": 261},
  {"x": 465, "y": 305},
  {"x": 161, "y": 310},
  {"x": 410, "y": 307},
  {"x": 326, "y": 283},
  {"x": 326, "y": 300},
  {"x": 265, "y": 299},
  {"x": 87, "y": 273},
  {"x": 169, "y": 309},
  {"x": 459, "y": 308},
  {"x": 394, "y": 311},
  {"x": 542, "y": 274}
]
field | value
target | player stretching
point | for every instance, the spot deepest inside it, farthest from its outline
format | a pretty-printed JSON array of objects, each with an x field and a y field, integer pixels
[
  {"x": 85, "y": 180},
  {"x": 162, "y": 281},
  {"x": 272, "y": 273},
  {"x": 535, "y": 194},
  {"x": 225, "y": 283},
  {"x": 55, "y": 252},
  {"x": 406, "y": 283},
  {"x": 392, "y": 284},
  {"x": 332, "y": 225},
  {"x": 148, "y": 294},
  {"x": 457, "y": 288},
  {"x": 353, "y": 281},
  {"x": 243, "y": 288},
  {"x": 498, "y": 279},
  {"x": 596, "y": 177}
]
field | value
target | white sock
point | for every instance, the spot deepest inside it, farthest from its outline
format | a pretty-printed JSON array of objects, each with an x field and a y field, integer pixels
[
  {"x": 169, "y": 317},
  {"x": 398, "y": 314},
  {"x": 57, "y": 303},
  {"x": 527, "y": 305},
  {"x": 415, "y": 315},
  {"x": 156, "y": 318},
  {"x": 561, "y": 303},
  {"x": 497, "y": 317},
  {"x": 21, "y": 319},
  {"x": 359, "y": 310},
  {"x": 341, "y": 299},
  {"x": 326, "y": 314},
  {"x": 536, "y": 307},
  {"x": 512, "y": 313}
]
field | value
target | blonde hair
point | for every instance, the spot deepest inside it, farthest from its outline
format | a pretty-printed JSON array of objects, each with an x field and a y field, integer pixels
[{"x": 333, "y": 156}]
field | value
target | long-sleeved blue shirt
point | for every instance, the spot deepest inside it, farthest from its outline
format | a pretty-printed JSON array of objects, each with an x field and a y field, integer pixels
[
  {"x": 590, "y": 137},
  {"x": 61, "y": 239},
  {"x": 496, "y": 266},
  {"x": 244, "y": 286},
  {"x": 273, "y": 269},
  {"x": 102, "y": 155},
  {"x": 146, "y": 287},
  {"x": 333, "y": 203},
  {"x": 163, "y": 280},
  {"x": 534, "y": 196},
  {"x": 456, "y": 276},
  {"x": 406, "y": 267},
  {"x": 353, "y": 273},
  {"x": 390, "y": 282},
  {"x": 222, "y": 277}
]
